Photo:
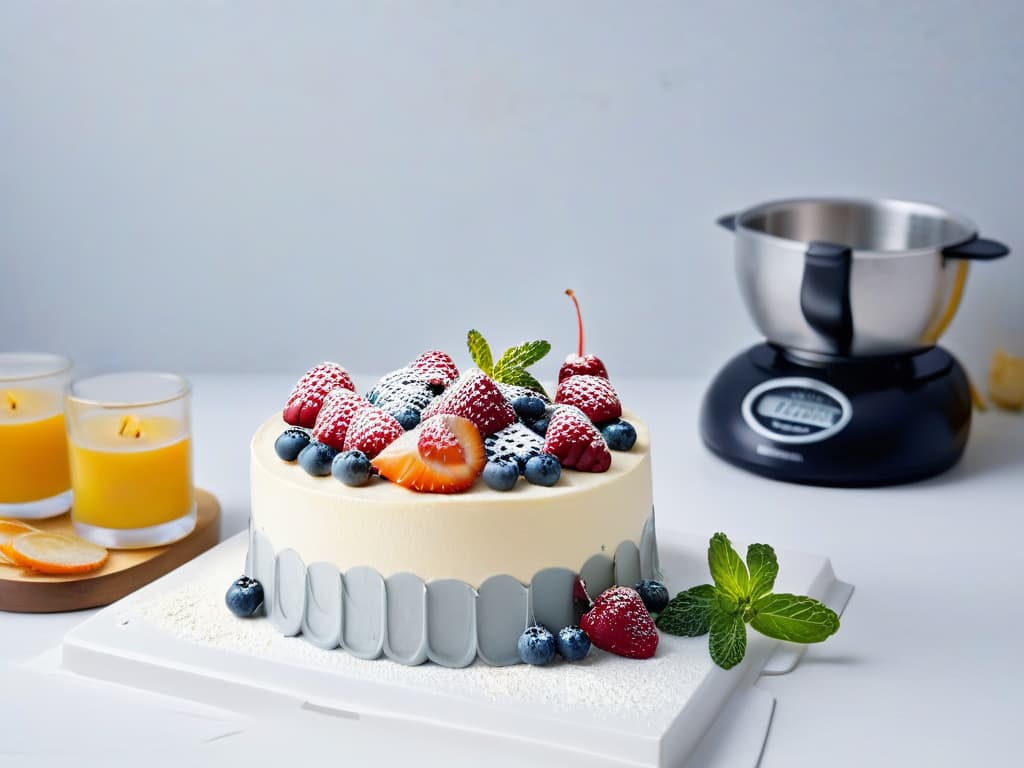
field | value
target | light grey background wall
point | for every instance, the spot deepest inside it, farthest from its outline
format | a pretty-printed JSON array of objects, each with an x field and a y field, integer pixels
[{"x": 242, "y": 185}]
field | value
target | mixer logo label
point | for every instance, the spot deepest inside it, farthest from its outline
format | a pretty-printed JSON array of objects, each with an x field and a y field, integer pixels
[{"x": 778, "y": 453}]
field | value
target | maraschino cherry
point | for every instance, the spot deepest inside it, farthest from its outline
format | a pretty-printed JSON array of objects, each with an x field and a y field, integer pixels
[{"x": 579, "y": 363}]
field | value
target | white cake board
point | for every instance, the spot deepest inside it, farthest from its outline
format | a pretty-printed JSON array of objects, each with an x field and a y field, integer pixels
[{"x": 176, "y": 637}]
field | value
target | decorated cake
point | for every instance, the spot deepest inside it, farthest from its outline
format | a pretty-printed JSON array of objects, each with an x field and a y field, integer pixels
[{"x": 449, "y": 515}]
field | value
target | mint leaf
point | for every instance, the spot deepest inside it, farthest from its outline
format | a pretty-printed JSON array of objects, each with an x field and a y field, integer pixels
[
  {"x": 764, "y": 567},
  {"x": 795, "y": 618},
  {"x": 689, "y": 613},
  {"x": 519, "y": 377},
  {"x": 728, "y": 640},
  {"x": 522, "y": 355},
  {"x": 727, "y": 569},
  {"x": 480, "y": 351}
]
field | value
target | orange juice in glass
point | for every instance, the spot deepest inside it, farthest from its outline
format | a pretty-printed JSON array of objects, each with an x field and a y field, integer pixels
[
  {"x": 34, "y": 477},
  {"x": 130, "y": 445}
]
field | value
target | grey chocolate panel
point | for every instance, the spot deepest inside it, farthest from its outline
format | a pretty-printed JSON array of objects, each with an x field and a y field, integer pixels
[
  {"x": 627, "y": 564},
  {"x": 406, "y": 639},
  {"x": 321, "y": 621},
  {"x": 502, "y": 613},
  {"x": 647, "y": 553},
  {"x": 451, "y": 623},
  {"x": 551, "y": 598},
  {"x": 247, "y": 571},
  {"x": 598, "y": 573},
  {"x": 263, "y": 568},
  {"x": 289, "y": 592},
  {"x": 363, "y": 623}
]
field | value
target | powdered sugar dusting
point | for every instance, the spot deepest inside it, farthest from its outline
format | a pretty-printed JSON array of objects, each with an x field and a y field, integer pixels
[{"x": 608, "y": 687}]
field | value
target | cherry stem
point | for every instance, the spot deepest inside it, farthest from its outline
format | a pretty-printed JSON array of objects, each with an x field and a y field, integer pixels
[{"x": 579, "y": 319}]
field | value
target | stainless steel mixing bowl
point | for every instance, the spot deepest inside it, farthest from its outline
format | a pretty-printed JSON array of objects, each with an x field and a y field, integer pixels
[{"x": 854, "y": 277}]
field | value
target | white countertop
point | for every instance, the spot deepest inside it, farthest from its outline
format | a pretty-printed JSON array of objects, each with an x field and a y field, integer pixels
[{"x": 926, "y": 667}]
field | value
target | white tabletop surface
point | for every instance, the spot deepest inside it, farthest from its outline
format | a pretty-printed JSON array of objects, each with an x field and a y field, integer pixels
[{"x": 926, "y": 669}]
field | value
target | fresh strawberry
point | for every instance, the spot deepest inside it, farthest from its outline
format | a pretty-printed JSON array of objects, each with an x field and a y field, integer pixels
[
  {"x": 580, "y": 364},
  {"x": 475, "y": 396},
  {"x": 620, "y": 624},
  {"x": 593, "y": 395},
  {"x": 307, "y": 397},
  {"x": 576, "y": 442},
  {"x": 444, "y": 454},
  {"x": 371, "y": 431},
  {"x": 436, "y": 367},
  {"x": 332, "y": 423}
]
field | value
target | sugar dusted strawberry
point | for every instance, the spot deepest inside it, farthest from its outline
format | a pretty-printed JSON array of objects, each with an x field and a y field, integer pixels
[
  {"x": 576, "y": 442},
  {"x": 444, "y": 454},
  {"x": 619, "y": 623},
  {"x": 371, "y": 431},
  {"x": 475, "y": 396},
  {"x": 309, "y": 393},
  {"x": 593, "y": 395},
  {"x": 436, "y": 367},
  {"x": 339, "y": 409},
  {"x": 580, "y": 364}
]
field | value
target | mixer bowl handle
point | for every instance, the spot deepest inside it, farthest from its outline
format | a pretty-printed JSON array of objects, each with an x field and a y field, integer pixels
[
  {"x": 825, "y": 293},
  {"x": 977, "y": 248}
]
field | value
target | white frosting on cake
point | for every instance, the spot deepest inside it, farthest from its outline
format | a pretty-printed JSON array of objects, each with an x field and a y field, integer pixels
[{"x": 468, "y": 536}]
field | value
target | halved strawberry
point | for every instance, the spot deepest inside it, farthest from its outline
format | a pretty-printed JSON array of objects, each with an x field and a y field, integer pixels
[
  {"x": 594, "y": 395},
  {"x": 339, "y": 409},
  {"x": 444, "y": 454},
  {"x": 436, "y": 367},
  {"x": 371, "y": 431},
  {"x": 307, "y": 397},
  {"x": 575, "y": 441},
  {"x": 475, "y": 396}
]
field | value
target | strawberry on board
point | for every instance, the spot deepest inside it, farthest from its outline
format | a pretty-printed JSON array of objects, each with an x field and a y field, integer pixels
[
  {"x": 444, "y": 454},
  {"x": 436, "y": 367},
  {"x": 619, "y": 623},
  {"x": 371, "y": 431},
  {"x": 594, "y": 395},
  {"x": 309, "y": 393},
  {"x": 576, "y": 442},
  {"x": 475, "y": 396},
  {"x": 332, "y": 423}
]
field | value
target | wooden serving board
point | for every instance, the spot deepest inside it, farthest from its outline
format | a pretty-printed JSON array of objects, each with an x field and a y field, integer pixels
[{"x": 126, "y": 570}]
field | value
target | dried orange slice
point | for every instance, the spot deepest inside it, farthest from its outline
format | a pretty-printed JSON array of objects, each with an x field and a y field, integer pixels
[
  {"x": 8, "y": 530},
  {"x": 53, "y": 553}
]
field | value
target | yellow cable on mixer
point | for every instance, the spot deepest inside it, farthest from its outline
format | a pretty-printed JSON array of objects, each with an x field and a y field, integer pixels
[{"x": 952, "y": 306}]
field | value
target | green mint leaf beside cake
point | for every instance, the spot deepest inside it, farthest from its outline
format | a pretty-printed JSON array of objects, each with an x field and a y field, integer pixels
[{"x": 740, "y": 595}]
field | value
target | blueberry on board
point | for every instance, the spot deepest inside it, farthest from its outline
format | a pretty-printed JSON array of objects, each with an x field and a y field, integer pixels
[
  {"x": 540, "y": 426},
  {"x": 244, "y": 597},
  {"x": 528, "y": 408},
  {"x": 543, "y": 469},
  {"x": 407, "y": 417},
  {"x": 316, "y": 458},
  {"x": 351, "y": 467},
  {"x": 654, "y": 594},
  {"x": 536, "y": 645},
  {"x": 620, "y": 435},
  {"x": 573, "y": 643},
  {"x": 501, "y": 475},
  {"x": 290, "y": 443}
]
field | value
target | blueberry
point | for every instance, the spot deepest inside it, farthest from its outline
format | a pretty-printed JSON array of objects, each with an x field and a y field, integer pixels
[
  {"x": 540, "y": 426},
  {"x": 316, "y": 458},
  {"x": 528, "y": 408},
  {"x": 290, "y": 443},
  {"x": 244, "y": 597},
  {"x": 407, "y": 417},
  {"x": 654, "y": 594},
  {"x": 351, "y": 467},
  {"x": 620, "y": 435},
  {"x": 573, "y": 643},
  {"x": 536, "y": 645},
  {"x": 501, "y": 475},
  {"x": 543, "y": 469}
]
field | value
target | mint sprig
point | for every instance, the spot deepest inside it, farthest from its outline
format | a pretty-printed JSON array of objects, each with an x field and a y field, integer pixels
[
  {"x": 742, "y": 594},
  {"x": 511, "y": 366}
]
